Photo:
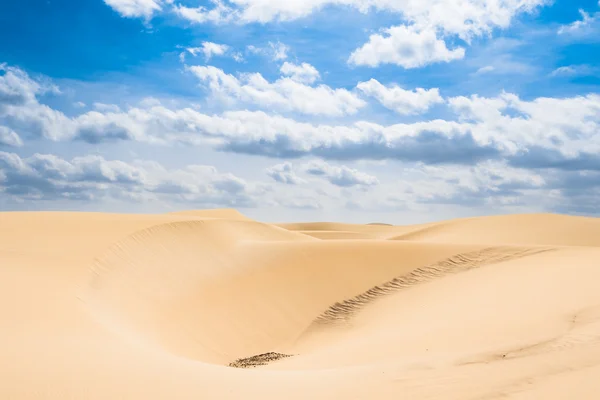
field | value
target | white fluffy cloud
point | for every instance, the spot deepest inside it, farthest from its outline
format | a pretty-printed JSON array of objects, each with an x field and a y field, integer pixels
[
  {"x": 277, "y": 51},
  {"x": 464, "y": 17},
  {"x": 209, "y": 49},
  {"x": 581, "y": 27},
  {"x": 285, "y": 93},
  {"x": 418, "y": 41},
  {"x": 541, "y": 133},
  {"x": 405, "y": 46},
  {"x": 48, "y": 177},
  {"x": 341, "y": 176},
  {"x": 18, "y": 89},
  {"x": 8, "y": 137},
  {"x": 284, "y": 173},
  {"x": 303, "y": 73},
  {"x": 219, "y": 13},
  {"x": 402, "y": 101},
  {"x": 497, "y": 151},
  {"x": 101, "y": 107},
  {"x": 136, "y": 8},
  {"x": 490, "y": 181}
]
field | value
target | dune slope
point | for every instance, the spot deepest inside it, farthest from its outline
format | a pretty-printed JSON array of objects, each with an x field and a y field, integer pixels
[{"x": 179, "y": 305}]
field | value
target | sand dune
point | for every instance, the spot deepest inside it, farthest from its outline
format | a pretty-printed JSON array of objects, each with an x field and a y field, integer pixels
[
  {"x": 541, "y": 229},
  {"x": 211, "y": 304}
]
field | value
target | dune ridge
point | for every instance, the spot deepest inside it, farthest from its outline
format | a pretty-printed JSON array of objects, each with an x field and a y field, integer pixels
[
  {"x": 455, "y": 264},
  {"x": 212, "y": 304}
]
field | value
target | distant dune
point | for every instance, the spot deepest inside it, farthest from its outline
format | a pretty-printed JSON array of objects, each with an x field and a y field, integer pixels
[{"x": 211, "y": 304}]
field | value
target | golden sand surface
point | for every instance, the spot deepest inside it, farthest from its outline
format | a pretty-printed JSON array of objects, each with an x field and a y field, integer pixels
[{"x": 213, "y": 305}]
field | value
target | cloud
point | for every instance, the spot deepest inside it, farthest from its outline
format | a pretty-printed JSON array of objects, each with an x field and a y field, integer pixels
[
  {"x": 404, "y": 46},
  {"x": 423, "y": 41},
  {"x": 538, "y": 131},
  {"x": 79, "y": 104},
  {"x": 48, "y": 177},
  {"x": 418, "y": 42},
  {"x": 573, "y": 70},
  {"x": 559, "y": 133},
  {"x": 284, "y": 173},
  {"x": 285, "y": 93},
  {"x": 18, "y": 89},
  {"x": 8, "y": 137},
  {"x": 135, "y": 8},
  {"x": 301, "y": 203},
  {"x": 341, "y": 176},
  {"x": 238, "y": 57},
  {"x": 303, "y": 73},
  {"x": 277, "y": 51},
  {"x": 101, "y": 107},
  {"x": 404, "y": 102},
  {"x": 583, "y": 27},
  {"x": 219, "y": 14},
  {"x": 502, "y": 56},
  {"x": 485, "y": 70},
  {"x": 435, "y": 141},
  {"x": 209, "y": 49},
  {"x": 491, "y": 182},
  {"x": 465, "y": 17},
  {"x": 574, "y": 192}
]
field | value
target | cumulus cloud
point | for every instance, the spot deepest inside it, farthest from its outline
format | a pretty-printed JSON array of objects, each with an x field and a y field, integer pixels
[
  {"x": 48, "y": 177},
  {"x": 284, "y": 173},
  {"x": 277, "y": 51},
  {"x": 490, "y": 182},
  {"x": 466, "y": 17},
  {"x": 209, "y": 49},
  {"x": 499, "y": 151},
  {"x": 405, "y": 46},
  {"x": 136, "y": 8},
  {"x": 540, "y": 133},
  {"x": 405, "y": 102},
  {"x": 418, "y": 42},
  {"x": 18, "y": 89},
  {"x": 341, "y": 176},
  {"x": 285, "y": 93},
  {"x": 586, "y": 25},
  {"x": 219, "y": 13},
  {"x": 303, "y": 73},
  {"x": 8, "y": 137},
  {"x": 101, "y": 107}
]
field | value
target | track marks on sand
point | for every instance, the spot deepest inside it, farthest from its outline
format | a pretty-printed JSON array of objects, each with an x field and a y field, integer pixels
[
  {"x": 342, "y": 311},
  {"x": 258, "y": 360}
]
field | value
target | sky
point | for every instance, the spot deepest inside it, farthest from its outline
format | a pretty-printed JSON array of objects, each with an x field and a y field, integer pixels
[{"x": 398, "y": 111}]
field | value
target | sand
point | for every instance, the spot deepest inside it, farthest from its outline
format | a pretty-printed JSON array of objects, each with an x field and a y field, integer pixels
[{"x": 213, "y": 305}]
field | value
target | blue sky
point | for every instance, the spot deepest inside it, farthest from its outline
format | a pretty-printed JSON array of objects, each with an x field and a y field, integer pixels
[{"x": 348, "y": 110}]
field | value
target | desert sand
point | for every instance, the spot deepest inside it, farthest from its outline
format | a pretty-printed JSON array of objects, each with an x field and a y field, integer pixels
[{"x": 213, "y": 305}]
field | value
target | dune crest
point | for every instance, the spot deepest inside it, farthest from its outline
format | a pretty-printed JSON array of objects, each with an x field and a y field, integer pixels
[{"x": 221, "y": 213}]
